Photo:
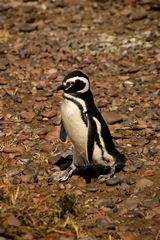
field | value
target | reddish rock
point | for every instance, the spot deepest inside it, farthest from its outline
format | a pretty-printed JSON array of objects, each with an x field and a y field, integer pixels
[
  {"x": 27, "y": 115},
  {"x": 142, "y": 184},
  {"x": 151, "y": 172},
  {"x": 47, "y": 148},
  {"x": 29, "y": 178},
  {"x": 128, "y": 205},
  {"x": 49, "y": 114},
  {"x": 41, "y": 98},
  {"x": 12, "y": 220},
  {"x": 53, "y": 134},
  {"x": 14, "y": 149},
  {"x": 112, "y": 117}
]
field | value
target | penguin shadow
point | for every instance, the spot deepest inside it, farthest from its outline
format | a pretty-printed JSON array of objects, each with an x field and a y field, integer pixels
[{"x": 87, "y": 172}]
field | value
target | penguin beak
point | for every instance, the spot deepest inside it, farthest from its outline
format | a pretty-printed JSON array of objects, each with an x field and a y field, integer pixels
[{"x": 61, "y": 87}]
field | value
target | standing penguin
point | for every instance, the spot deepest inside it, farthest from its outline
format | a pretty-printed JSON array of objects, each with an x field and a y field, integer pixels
[{"x": 84, "y": 125}]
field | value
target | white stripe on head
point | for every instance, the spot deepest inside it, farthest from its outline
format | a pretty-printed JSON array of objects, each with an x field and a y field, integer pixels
[{"x": 83, "y": 79}]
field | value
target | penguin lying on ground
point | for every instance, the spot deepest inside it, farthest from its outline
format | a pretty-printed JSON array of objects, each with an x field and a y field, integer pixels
[{"x": 84, "y": 125}]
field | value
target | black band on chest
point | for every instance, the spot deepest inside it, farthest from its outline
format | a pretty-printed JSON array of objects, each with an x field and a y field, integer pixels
[{"x": 83, "y": 114}]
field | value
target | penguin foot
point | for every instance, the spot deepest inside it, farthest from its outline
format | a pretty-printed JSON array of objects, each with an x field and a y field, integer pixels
[
  {"x": 61, "y": 176},
  {"x": 108, "y": 175}
]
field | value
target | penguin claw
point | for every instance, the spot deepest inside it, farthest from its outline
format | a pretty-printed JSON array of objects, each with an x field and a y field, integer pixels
[
  {"x": 59, "y": 176},
  {"x": 62, "y": 175}
]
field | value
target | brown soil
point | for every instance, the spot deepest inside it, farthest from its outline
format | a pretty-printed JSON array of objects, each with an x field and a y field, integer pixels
[{"x": 117, "y": 43}]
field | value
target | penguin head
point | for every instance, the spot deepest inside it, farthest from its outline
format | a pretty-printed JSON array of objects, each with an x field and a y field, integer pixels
[{"x": 75, "y": 82}]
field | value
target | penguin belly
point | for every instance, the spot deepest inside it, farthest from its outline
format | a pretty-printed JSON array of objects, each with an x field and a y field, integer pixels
[{"x": 75, "y": 127}]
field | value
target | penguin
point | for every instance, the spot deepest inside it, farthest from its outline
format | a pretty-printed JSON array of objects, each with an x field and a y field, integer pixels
[{"x": 83, "y": 124}]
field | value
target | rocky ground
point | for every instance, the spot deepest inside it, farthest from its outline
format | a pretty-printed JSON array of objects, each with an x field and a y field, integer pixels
[{"x": 117, "y": 43}]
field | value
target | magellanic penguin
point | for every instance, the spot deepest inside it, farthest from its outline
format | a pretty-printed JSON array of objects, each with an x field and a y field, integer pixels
[{"x": 84, "y": 125}]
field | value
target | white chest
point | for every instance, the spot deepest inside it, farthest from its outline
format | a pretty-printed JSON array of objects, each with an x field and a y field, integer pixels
[{"x": 74, "y": 125}]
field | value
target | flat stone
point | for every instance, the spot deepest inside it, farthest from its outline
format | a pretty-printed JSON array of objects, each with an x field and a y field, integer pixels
[
  {"x": 130, "y": 181},
  {"x": 30, "y": 178},
  {"x": 107, "y": 203},
  {"x": 13, "y": 149},
  {"x": 103, "y": 223},
  {"x": 113, "y": 181},
  {"x": 12, "y": 220},
  {"x": 142, "y": 184},
  {"x": 27, "y": 28},
  {"x": 112, "y": 117},
  {"x": 91, "y": 189},
  {"x": 151, "y": 202},
  {"x": 138, "y": 15},
  {"x": 128, "y": 205},
  {"x": 130, "y": 168},
  {"x": 49, "y": 114},
  {"x": 27, "y": 115},
  {"x": 53, "y": 134}
]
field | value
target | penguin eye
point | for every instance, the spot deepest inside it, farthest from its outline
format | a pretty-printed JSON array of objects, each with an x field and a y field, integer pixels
[{"x": 69, "y": 84}]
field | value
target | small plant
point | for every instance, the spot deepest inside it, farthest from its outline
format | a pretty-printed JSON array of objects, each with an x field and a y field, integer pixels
[{"x": 66, "y": 204}]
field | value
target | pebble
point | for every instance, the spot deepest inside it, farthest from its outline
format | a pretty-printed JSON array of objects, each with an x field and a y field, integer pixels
[
  {"x": 30, "y": 178},
  {"x": 151, "y": 172},
  {"x": 13, "y": 149},
  {"x": 138, "y": 15},
  {"x": 16, "y": 179},
  {"x": 12, "y": 220},
  {"x": 27, "y": 116},
  {"x": 113, "y": 181},
  {"x": 49, "y": 94},
  {"x": 151, "y": 203},
  {"x": 128, "y": 84},
  {"x": 78, "y": 192},
  {"x": 27, "y": 28},
  {"x": 51, "y": 135},
  {"x": 107, "y": 203},
  {"x": 112, "y": 117},
  {"x": 142, "y": 184},
  {"x": 91, "y": 189},
  {"x": 128, "y": 205},
  {"x": 103, "y": 223},
  {"x": 61, "y": 186},
  {"x": 29, "y": 171},
  {"x": 130, "y": 181},
  {"x": 68, "y": 186},
  {"x": 49, "y": 114},
  {"x": 130, "y": 168}
]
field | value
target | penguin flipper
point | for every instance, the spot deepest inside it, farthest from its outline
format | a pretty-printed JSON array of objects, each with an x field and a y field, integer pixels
[
  {"x": 63, "y": 134},
  {"x": 92, "y": 132}
]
